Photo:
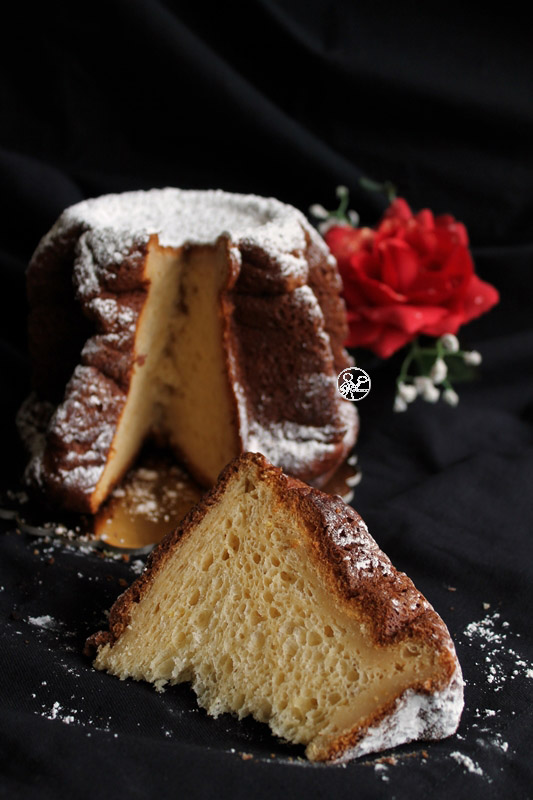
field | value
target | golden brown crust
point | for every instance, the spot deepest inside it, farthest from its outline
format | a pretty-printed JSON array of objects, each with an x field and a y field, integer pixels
[{"x": 359, "y": 572}]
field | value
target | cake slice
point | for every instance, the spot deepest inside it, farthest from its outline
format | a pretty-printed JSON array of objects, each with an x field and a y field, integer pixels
[{"x": 273, "y": 599}]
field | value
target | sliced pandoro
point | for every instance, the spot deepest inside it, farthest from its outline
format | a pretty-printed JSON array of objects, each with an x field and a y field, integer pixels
[{"x": 273, "y": 600}]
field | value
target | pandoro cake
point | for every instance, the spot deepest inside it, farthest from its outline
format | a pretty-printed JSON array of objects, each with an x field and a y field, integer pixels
[
  {"x": 209, "y": 321},
  {"x": 272, "y": 599}
]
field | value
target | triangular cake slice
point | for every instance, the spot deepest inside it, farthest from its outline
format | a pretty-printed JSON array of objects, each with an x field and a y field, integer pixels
[{"x": 273, "y": 599}]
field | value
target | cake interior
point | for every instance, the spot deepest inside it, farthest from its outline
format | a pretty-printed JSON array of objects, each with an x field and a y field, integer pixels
[
  {"x": 242, "y": 611},
  {"x": 179, "y": 372}
]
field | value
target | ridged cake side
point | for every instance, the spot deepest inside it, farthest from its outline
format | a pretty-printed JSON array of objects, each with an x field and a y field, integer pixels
[{"x": 285, "y": 323}]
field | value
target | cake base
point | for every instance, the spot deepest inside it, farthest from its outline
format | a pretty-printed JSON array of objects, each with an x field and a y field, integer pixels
[{"x": 156, "y": 494}]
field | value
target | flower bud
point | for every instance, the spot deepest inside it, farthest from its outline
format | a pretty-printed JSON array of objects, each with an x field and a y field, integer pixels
[
  {"x": 318, "y": 211},
  {"x": 407, "y": 392},
  {"x": 473, "y": 358},
  {"x": 431, "y": 394},
  {"x": 438, "y": 371},
  {"x": 421, "y": 382},
  {"x": 353, "y": 216},
  {"x": 399, "y": 404},
  {"x": 450, "y": 342},
  {"x": 450, "y": 396},
  {"x": 427, "y": 389}
]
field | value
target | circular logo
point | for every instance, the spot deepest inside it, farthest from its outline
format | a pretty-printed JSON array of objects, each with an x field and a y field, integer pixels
[{"x": 353, "y": 384}]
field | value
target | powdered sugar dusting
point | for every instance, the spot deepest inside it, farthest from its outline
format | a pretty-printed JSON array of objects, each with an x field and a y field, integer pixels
[
  {"x": 288, "y": 444},
  {"x": 416, "y": 716},
  {"x": 120, "y": 222},
  {"x": 91, "y": 439},
  {"x": 362, "y": 553}
]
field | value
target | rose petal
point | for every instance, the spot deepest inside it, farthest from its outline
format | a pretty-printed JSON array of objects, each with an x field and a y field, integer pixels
[
  {"x": 438, "y": 286},
  {"x": 391, "y": 340},
  {"x": 408, "y": 318},
  {"x": 423, "y": 241},
  {"x": 454, "y": 228},
  {"x": 399, "y": 208},
  {"x": 362, "y": 333},
  {"x": 353, "y": 294},
  {"x": 399, "y": 264},
  {"x": 425, "y": 219},
  {"x": 381, "y": 339},
  {"x": 356, "y": 279},
  {"x": 344, "y": 241},
  {"x": 479, "y": 298}
]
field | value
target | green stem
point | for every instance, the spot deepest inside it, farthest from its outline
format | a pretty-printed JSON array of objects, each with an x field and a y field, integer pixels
[
  {"x": 404, "y": 371},
  {"x": 344, "y": 196},
  {"x": 387, "y": 188}
]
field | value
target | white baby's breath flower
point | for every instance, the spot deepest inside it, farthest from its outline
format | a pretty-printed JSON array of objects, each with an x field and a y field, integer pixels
[
  {"x": 421, "y": 381},
  {"x": 341, "y": 191},
  {"x": 427, "y": 388},
  {"x": 407, "y": 392},
  {"x": 438, "y": 371},
  {"x": 450, "y": 342},
  {"x": 318, "y": 211},
  {"x": 431, "y": 394},
  {"x": 450, "y": 396},
  {"x": 399, "y": 404},
  {"x": 353, "y": 216},
  {"x": 473, "y": 358}
]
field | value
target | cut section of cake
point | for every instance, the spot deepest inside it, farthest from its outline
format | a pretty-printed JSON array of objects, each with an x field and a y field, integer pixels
[
  {"x": 273, "y": 600},
  {"x": 210, "y": 321}
]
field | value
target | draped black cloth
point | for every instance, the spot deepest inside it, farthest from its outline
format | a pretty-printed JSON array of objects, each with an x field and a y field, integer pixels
[{"x": 286, "y": 99}]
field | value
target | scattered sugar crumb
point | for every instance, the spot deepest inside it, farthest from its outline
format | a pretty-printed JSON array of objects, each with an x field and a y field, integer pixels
[
  {"x": 381, "y": 770},
  {"x": 467, "y": 763},
  {"x": 45, "y": 621},
  {"x": 55, "y": 713},
  {"x": 137, "y": 566},
  {"x": 497, "y": 657}
]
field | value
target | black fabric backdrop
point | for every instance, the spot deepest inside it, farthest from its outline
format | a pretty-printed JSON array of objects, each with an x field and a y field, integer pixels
[{"x": 285, "y": 99}]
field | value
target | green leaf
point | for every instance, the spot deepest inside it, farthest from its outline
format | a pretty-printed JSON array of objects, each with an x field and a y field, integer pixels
[{"x": 458, "y": 371}]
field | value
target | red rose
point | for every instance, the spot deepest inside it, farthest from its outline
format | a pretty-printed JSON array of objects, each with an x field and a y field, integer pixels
[{"x": 412, "y": 274}]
